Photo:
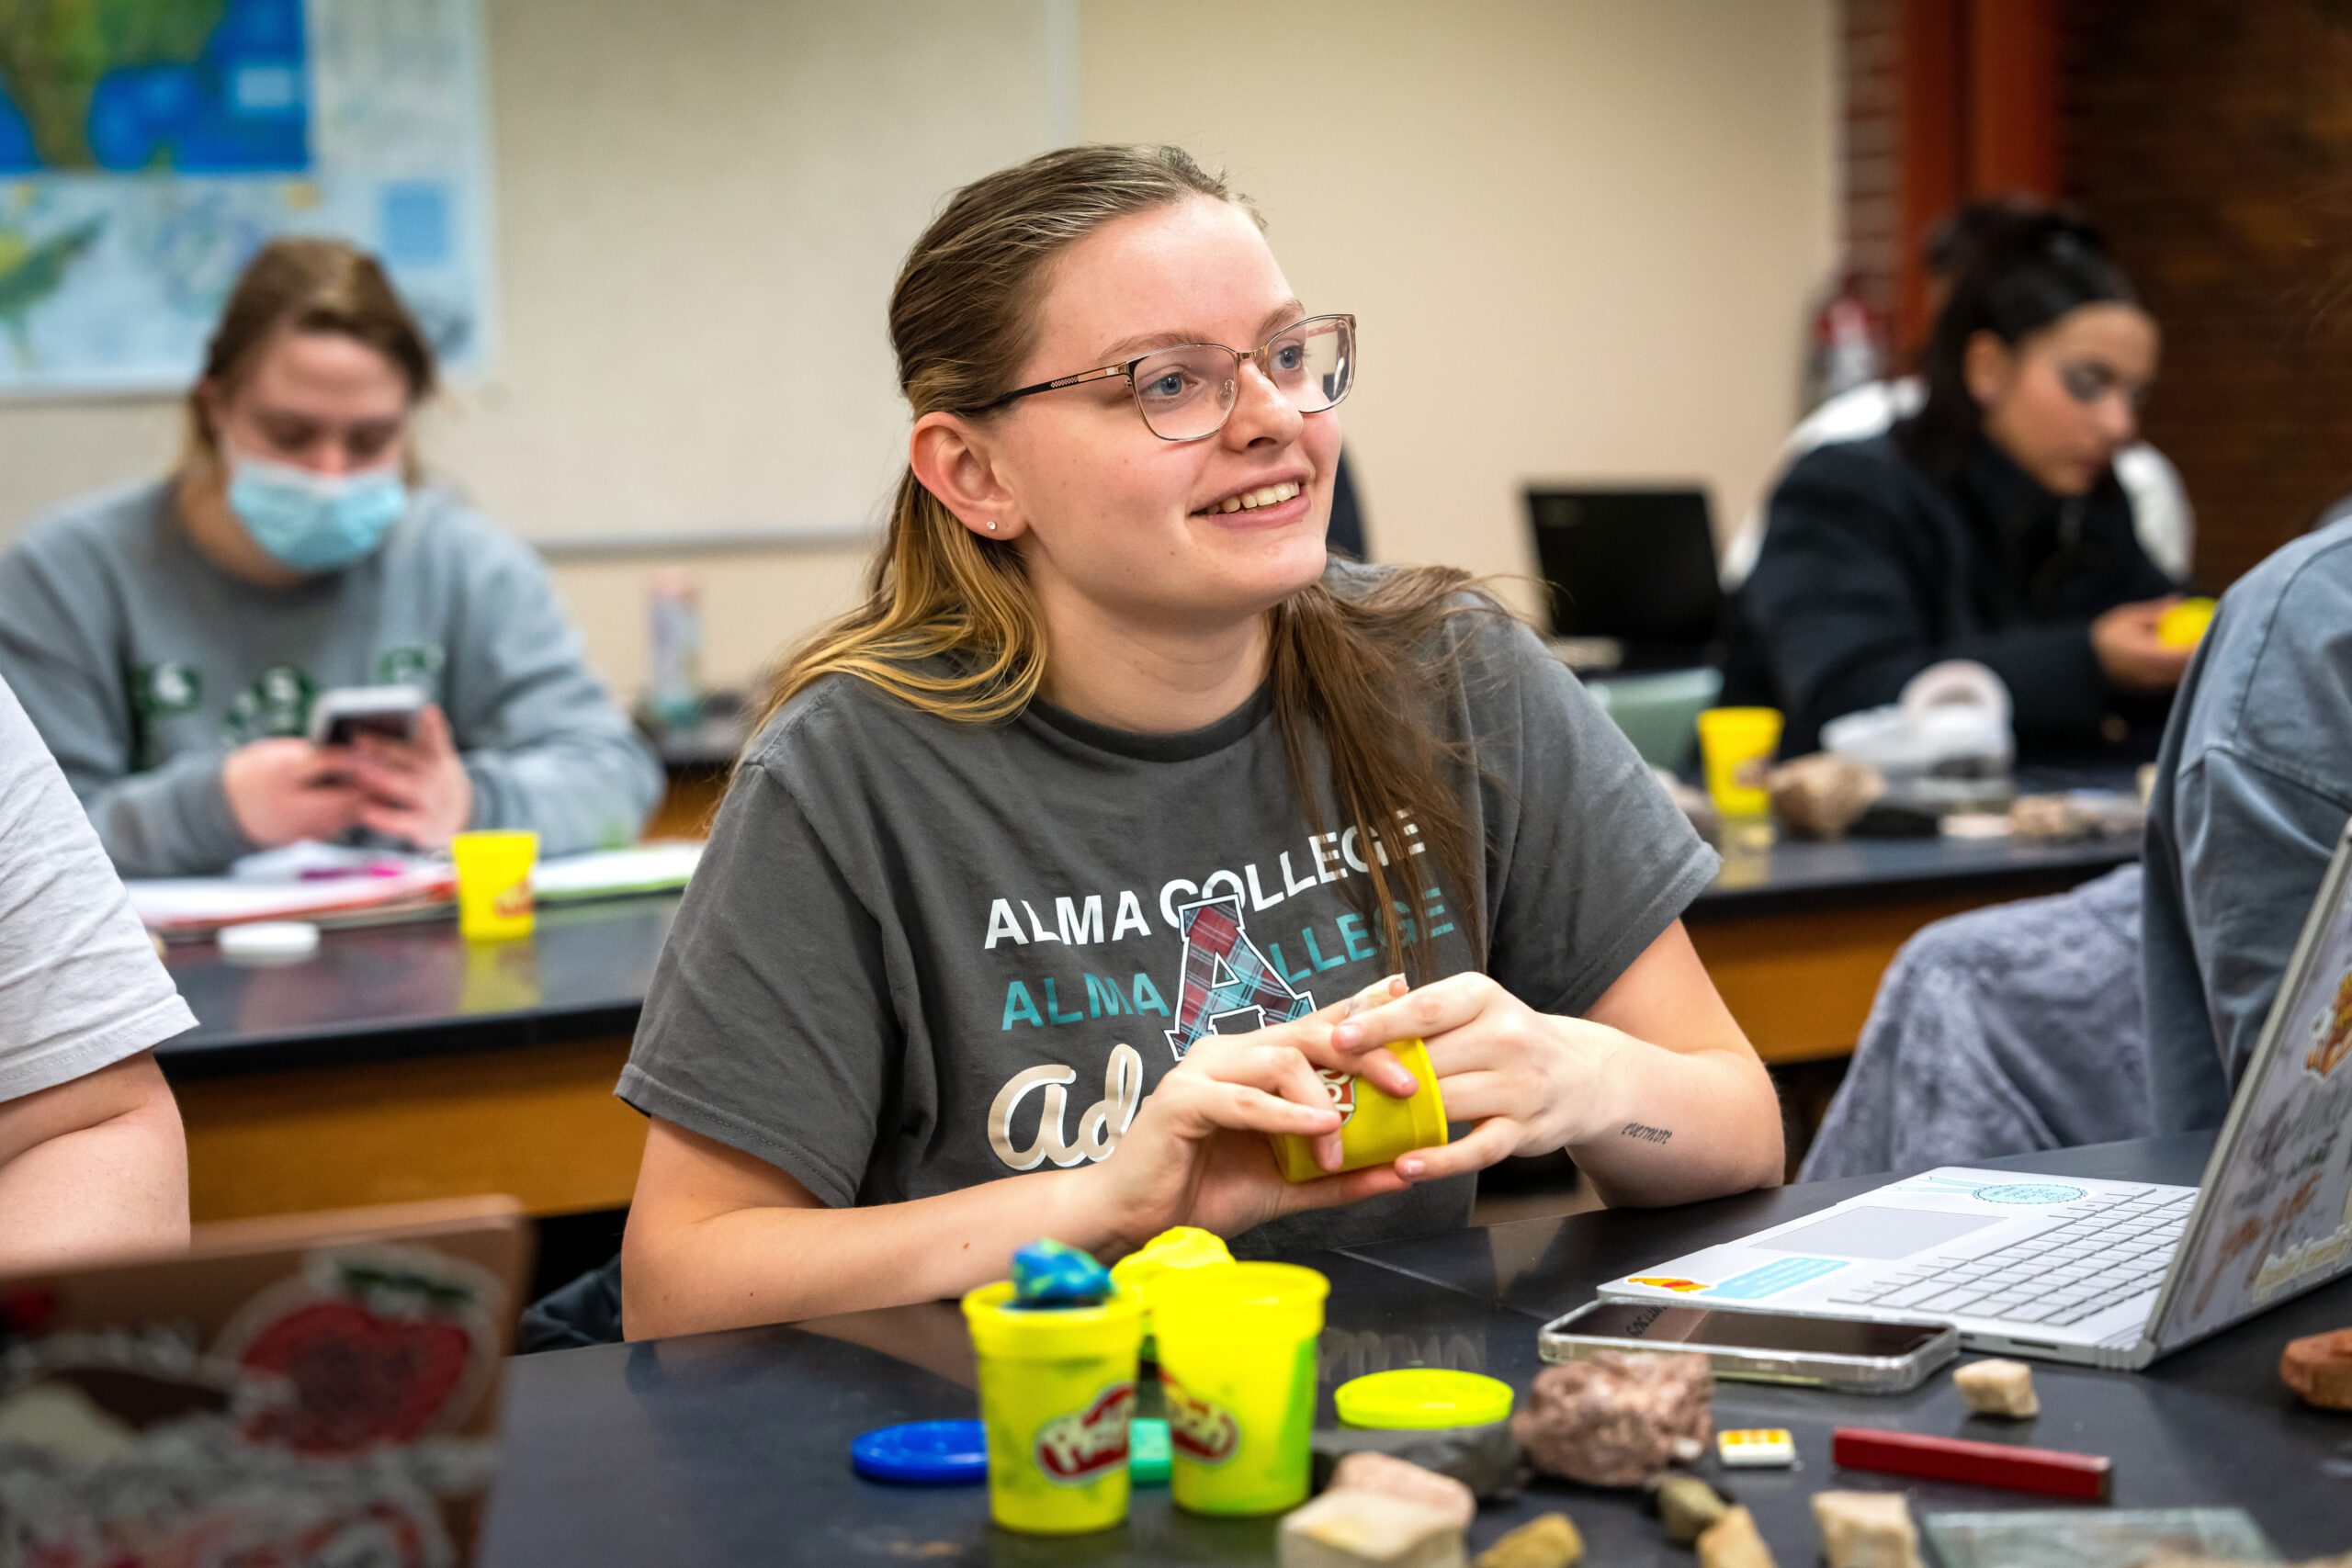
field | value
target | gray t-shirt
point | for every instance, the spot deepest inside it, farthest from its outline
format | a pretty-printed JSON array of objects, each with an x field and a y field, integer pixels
[
  {"x": 142, "y": 665},
  {"x": 2253, "y": 786},
  {"x": 920, "y": 955},
  {"x": 81, "y": 988}
]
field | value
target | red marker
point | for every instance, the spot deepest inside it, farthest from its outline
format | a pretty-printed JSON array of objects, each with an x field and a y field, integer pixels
[{"x": 1978, "y": 1464}]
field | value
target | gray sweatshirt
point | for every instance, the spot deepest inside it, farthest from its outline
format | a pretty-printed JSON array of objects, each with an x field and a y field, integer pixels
[{"x": 142, "y": 665}]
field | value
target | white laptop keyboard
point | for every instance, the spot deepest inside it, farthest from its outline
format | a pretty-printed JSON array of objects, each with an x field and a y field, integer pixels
[{"x": 2099, "y": 1256}]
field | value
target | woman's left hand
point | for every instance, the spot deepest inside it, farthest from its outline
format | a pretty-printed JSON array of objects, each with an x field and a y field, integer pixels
[
  {"x": 416, "y": 791},
  {"x": 1529, "y": 1079}
]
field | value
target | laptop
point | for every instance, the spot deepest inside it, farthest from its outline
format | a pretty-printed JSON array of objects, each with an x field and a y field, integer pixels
[
  {"x": 315, "y": 1389},
  {"x": 1630, "y": 574},
  {"x": 2104, "y": 1273}
]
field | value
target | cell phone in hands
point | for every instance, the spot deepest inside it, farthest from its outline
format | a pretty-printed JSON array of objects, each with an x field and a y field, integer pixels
[
  {"x": 1862, "y": 1354},
  {"x": 344, "y": 714}
]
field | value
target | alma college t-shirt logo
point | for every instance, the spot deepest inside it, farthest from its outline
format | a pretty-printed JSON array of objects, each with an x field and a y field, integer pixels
[{"x": 1227, "y": 985}]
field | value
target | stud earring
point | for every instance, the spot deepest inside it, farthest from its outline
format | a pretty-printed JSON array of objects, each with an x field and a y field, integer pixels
[{"x": 992, "y": 524}]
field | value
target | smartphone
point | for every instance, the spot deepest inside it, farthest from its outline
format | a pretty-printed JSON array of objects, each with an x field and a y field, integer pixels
[
  {"x": 343, "y": 714},
  {"x": 1864, "y": 1355}
]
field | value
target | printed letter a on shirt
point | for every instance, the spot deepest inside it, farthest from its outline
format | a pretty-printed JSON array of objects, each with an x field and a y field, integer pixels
[{"x": 1224, "y": 973}]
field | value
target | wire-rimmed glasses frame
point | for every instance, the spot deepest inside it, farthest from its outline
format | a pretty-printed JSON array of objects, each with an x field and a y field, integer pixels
[{"x": 1333, "y": 335}]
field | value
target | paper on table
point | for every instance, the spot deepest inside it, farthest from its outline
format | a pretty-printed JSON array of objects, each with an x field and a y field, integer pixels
[
  {"x": 648, "y": 868},
  {"x": 188, "y": 903}
]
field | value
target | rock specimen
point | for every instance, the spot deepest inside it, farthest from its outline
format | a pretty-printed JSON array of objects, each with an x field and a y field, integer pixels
[
  {"x": 1866, "y": 1530},
  {"x": 1365, "y": 1529},
  {"x": 1998, "y": 1388},
  {"x": 1548, "y": 1541},
  {"x": 1733, "y": 1542},
  {"x": 1822, "y": 797},
  {"x": 1617, "y": 1418},
  {"x": 2319, "y": 1368},
  {"x": 1485, "y": 1458},
  {"x": 1688, "y": 1508},
  {"x": 1393, "y": 1477}
]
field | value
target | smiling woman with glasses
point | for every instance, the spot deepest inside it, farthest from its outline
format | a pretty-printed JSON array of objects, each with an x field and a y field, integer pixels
[{"x": 1122, "y": 826}]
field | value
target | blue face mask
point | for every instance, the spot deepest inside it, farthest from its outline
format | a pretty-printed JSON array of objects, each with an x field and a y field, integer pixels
[{"x": 314, "y": 522}]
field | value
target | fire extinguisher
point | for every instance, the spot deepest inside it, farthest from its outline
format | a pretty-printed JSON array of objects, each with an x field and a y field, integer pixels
[{"x": 1848, "y": 348}]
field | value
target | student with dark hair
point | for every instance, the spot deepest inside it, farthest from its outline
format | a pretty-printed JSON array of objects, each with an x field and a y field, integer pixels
[
  {"x": 2161, "y": 515},
  {"x": 1987, "y": 526},
  {"x": 168, "y": 639}
]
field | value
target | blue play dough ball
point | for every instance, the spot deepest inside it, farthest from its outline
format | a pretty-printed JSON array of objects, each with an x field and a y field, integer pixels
[{"x": 1051, "y": 1274}]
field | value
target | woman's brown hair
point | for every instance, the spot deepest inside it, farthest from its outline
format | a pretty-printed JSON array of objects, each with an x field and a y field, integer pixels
[
  {"x": 951, "y": 626},
  {"x": 306, "y": 285}
]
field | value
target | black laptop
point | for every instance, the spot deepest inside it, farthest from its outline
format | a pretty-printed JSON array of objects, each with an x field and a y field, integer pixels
[{"x": 1630, "y": 574}]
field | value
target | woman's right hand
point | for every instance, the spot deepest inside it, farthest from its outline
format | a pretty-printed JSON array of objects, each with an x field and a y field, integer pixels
[
  {"x": 1196, "y": 1153},
  {"x": 283, "y": 790},
  {"x": 2133, "y": 653}
]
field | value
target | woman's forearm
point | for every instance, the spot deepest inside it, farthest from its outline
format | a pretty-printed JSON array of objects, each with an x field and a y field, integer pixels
[
  {"x": 1676, "y": 1126},
  {"x": 118, "y": 1186},
  {"x": 773, "y": 1264}
]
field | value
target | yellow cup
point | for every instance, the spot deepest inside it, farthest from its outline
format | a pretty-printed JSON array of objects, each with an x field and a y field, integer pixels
[
  {"x": 1058, "y": 1390},
  {"x": 1377, "y": 1126},
  {"x": 495, "y": 883},
  {"x": 1236, "y": 1369},
  {"x": 1730, "y": 739},
  {"x": 2182, "y": 624}
]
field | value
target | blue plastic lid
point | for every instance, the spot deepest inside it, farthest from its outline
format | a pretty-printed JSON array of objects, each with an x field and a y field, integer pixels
[{"x": 922, "y": 1453}]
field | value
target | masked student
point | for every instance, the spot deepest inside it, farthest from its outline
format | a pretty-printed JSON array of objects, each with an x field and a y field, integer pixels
[
  {"x": 169, "y": 639},
  {"x": 1031, "y": 906}
]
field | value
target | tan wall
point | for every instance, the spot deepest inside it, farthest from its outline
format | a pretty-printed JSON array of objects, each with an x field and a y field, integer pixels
[{"x": 1580, "y": 236}]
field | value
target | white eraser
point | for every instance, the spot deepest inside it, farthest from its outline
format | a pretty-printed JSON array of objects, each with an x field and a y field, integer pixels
[
  {"x": 270, "y": 941},
  {"x": 1756, "y": 1447}
]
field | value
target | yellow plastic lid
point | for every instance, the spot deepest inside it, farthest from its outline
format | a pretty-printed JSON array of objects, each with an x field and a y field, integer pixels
[{"x": 1420, "y": 1397}]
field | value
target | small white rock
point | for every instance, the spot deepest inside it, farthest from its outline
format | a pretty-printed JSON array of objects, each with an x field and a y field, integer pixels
[
  {"x": 1366, "y": 1530},
  {"x": 1998, "y": 1388}
]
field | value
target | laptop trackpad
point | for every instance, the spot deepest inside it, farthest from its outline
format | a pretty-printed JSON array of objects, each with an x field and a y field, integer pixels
[{"x": 1882, "y": 1233}]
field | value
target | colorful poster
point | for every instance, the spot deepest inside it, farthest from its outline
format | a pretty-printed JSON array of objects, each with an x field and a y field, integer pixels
[{"x": 149, "y": 146}]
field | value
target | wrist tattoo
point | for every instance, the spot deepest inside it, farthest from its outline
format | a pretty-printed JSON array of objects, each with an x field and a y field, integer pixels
[{"x": 1646, "y": 1134}]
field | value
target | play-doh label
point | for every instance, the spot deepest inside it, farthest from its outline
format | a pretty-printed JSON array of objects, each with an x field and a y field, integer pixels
[
  {"x": 1198, "y": 1429},
  {"x": 1086, "y": 1445}
]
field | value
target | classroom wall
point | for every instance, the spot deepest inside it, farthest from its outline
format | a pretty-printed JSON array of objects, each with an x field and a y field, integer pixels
[
  {"x": 1582, "y": 237},
  {"x": 2209, "y": 139}
]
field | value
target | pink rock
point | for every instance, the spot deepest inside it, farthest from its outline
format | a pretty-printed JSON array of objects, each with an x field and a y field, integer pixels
[
  {"x": 1400, "y": 1478},
  {"x": 1616, "y": 1419}
]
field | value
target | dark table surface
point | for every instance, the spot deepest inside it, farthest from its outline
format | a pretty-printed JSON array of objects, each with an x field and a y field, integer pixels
[
  {"x": 733, "y": 1448},
  {"x": 405, "y": 989},
  {"x": 377, "y": 991}
]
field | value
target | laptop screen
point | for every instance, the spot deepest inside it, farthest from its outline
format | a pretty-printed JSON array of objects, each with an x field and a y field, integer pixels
[
  {"x": 1635, "y": 566},
  {"x": 2275, "y": 1215}
]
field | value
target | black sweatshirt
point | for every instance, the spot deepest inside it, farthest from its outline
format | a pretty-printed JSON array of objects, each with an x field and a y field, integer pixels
[{"x": 1873, "y": 568}]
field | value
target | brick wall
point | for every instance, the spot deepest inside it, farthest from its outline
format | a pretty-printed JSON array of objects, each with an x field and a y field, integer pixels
[
  {"x": 2212, "y": 139},
  {"x": 1871, "y": 199}
]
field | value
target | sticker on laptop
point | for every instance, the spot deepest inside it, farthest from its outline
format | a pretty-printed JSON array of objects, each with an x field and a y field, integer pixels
[
  {"x": 1786, "y": 1274},
  {"x": 1667, "y": 1282},
  {"x": 2030, "y": 1193}
]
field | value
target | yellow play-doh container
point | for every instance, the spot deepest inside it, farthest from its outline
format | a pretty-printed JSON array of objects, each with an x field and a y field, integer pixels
[
  {"x": 1379, "y": 1127},
  {"x": 1058, "y": 1391},
  {"x": 1730, "y": 739},
  {"x": 1236, "y": 1372},
  {"x": 495, "y": 883}
]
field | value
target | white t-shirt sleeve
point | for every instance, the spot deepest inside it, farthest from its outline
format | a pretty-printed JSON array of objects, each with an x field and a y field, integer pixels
[{"x": 80, "y": 984}]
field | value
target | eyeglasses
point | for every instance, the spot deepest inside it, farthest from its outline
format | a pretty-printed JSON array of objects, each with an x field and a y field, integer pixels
[{"x": 1187, "y": 393}]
